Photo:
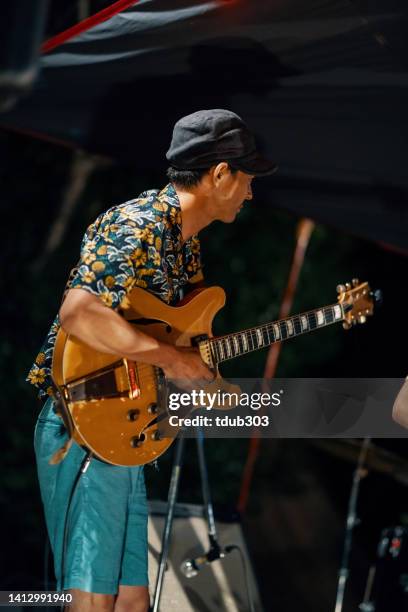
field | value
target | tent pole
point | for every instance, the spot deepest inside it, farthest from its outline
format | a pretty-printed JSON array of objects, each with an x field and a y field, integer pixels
[
  {"x": 86, "y": 24},
  {"x": 82, "y": 167},
  {"x": 303, "y": 233}
]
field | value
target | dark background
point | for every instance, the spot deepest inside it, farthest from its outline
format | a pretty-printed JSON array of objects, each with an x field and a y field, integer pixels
[{"x": 295, "y": 517}]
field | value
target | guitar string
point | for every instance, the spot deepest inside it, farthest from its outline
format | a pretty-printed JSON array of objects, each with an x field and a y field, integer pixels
[{"x": 251, "y": 334}]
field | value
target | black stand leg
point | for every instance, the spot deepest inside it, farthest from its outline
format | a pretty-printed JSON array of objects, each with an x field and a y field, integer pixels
[
  {"x": 351, "y": 522},
  {"x": 172, "y": 497},
  {"x": 215, "y": 550}
]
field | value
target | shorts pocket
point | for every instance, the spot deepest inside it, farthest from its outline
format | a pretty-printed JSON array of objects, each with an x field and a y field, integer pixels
[{"x": 50, "y": 433}]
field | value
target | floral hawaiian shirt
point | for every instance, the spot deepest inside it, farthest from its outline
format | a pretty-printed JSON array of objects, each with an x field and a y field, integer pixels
[{"x": 138, "y": 243}]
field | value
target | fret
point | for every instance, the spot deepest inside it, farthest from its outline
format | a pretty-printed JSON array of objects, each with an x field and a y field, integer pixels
[
  {"x": 337, "y": 312},
  {"x": 289, "y": 324},
  {"x": 276, "y": 331},
  {"x": 213, "y": 353},
  {"x": 328, "y": 315},
  {"x": 298, "y": 325},
  {"x": 283, "y": 330},
  {"x": 259, "y": 337},
  {"x": 227, "y": 344},
  {"x": 221, "y": 349},
  {"x": 214, "y": 345},
  {"x": 244, "y": 341},
  {"x": 236, "y": 344},
  {"x": 311, "y": 317},
  {"x": 267, "y": 333},
  {"x": 241, "y": 344},
  {"x": 304, "y": 323},
  {"x": 320, "y": 317}
]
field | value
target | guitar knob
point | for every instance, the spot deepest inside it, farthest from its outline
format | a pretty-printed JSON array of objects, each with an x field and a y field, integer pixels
[
  {"x": 362, "y": 319},
  {"x": 136, "y": 442},
  {"x": 156, "y": 436},
  {"x": 348, "y": 286},
  {"x": 152, "y": 409},
  {"x": 132, "y": 415},
  {"x": 346, "y": 325},
  {"x": 340, "y": 288}
]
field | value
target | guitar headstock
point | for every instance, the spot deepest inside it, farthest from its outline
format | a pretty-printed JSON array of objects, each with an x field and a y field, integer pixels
[{"x": 357, "y": 301}]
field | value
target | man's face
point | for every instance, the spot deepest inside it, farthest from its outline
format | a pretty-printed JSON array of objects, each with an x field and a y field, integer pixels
[{"x": 232, "y": 189}]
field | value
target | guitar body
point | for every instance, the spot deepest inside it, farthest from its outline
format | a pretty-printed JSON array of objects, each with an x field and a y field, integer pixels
[{"x": 111, "y": 405}]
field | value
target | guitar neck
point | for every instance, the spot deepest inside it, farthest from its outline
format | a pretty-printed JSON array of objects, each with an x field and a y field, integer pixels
[{"x": 223, "y": 348}]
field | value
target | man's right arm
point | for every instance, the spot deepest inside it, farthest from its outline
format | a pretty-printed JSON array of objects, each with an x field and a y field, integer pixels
[{"x": 84, "y": 315}]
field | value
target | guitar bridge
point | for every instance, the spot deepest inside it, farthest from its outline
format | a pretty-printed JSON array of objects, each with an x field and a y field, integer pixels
[{"x": 132, "y": 378}]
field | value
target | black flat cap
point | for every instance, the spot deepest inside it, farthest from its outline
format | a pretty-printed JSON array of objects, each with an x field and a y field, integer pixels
[{"x": 207, "y": 137}]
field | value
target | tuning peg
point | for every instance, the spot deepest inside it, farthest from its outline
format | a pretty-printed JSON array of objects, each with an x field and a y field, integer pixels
[
  {"x": 362, "y": 319},
  {"x": 355, "y": 282},
  {"x": 341, "y": 288}
]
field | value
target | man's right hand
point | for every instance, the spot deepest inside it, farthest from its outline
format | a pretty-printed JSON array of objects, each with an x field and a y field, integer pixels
[{"x": 186, "y": 368}]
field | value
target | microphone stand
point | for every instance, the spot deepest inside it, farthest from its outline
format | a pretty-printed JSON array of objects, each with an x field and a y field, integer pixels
[
  {"x": 215, "y": 551},
  {"x": 352, "y": 521},
  {"x": 171, "y": 504}
]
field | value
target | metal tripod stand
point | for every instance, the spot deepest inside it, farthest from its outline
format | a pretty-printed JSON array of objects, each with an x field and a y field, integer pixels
[
  {"x": 352, "y": 521},
  {"x": 215, "y": 551}
]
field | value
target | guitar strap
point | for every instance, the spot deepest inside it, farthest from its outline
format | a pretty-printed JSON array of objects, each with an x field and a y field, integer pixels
[{"x": 62, "y": 452}]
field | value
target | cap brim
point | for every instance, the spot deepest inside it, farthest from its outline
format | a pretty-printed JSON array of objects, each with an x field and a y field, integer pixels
[{"x": 255, "y": 165}]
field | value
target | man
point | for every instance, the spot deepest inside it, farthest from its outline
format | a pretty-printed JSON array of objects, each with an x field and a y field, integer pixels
[
  {"x": 400, "y": 408},
  {"x": 149, "y": 242}
]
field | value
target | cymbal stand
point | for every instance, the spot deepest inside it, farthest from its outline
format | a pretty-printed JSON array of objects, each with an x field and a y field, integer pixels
[{"x": 351, "y": 522}]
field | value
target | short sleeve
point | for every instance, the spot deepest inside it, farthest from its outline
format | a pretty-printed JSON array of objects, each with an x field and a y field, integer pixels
[{"x": 114, "y": 259}]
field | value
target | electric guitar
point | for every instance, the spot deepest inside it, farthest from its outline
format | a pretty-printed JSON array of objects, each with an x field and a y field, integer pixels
[{"x": 113, "y": 406}]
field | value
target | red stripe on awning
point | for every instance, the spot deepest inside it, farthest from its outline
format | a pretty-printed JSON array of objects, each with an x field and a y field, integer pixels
[{"x": 86, "y": 24}]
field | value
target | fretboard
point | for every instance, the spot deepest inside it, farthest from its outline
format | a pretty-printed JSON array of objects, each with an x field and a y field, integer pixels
[{"x": 227, "y": 347}]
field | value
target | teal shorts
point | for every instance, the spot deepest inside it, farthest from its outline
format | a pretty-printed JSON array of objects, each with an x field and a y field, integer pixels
[{"x": 107, "y": 523}]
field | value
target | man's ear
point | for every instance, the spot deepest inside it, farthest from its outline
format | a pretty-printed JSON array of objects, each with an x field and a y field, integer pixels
[{"x": 220, "y": 171}]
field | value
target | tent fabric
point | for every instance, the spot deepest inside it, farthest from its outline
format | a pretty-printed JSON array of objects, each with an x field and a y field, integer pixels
[
  {"x": 323, "y": 83},
  {"x": 86, "y": 24}
]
